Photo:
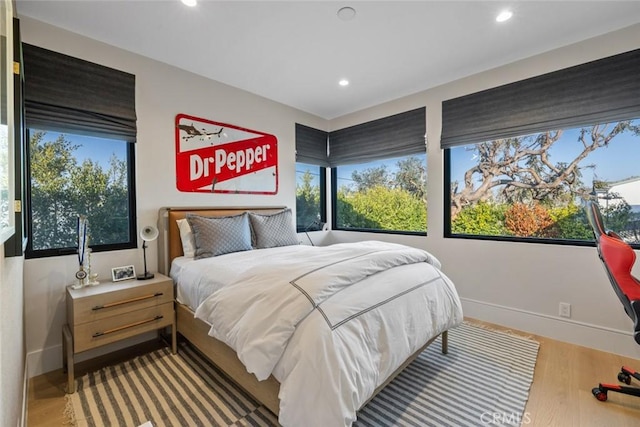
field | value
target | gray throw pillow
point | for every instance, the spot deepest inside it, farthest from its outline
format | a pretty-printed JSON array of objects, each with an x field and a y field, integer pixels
[
  {"x": 273, "y": 230},
  {"x": 220, "y": 235}
]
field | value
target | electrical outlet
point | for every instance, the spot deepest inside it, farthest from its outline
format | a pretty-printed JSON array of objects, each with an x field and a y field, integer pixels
[{"x": 565, "y": 309}]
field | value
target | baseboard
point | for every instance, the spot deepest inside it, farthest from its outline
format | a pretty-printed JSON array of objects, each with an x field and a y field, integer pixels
[
  {"x": 25, "y": 394},
  {"x": 558, "y": 328},
  {"x": 44, "y": 360}
]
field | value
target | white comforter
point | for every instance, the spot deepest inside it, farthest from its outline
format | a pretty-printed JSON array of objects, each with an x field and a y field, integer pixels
[{"x": 332, "y": 323}]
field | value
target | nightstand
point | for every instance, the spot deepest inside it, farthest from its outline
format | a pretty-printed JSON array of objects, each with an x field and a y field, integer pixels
[{"x": 112, "y": 311}]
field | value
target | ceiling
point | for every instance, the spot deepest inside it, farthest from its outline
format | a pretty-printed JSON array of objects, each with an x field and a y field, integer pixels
[{"x": 295, "y": 52}]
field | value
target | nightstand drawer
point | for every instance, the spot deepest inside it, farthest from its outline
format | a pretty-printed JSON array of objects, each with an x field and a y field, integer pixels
[
  {"x": 120, "y": 301},
  {"x": 112, "y": 312},
  {"x": 94, "y": 334}
]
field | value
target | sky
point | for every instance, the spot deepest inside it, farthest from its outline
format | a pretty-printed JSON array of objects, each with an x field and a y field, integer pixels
[
  {"x": 618, "y": 161},
  {"x": 345, "y": 171},
  {"x": 97, "y": 149}
]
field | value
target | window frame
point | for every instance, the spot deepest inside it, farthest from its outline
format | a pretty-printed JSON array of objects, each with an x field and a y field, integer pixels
[
  {"x": 17, "y": 243},
  {"x": 447, "y": 233},
  {"x": 334, "y": 213},
  {"x": 132, "y": 243},
  {"x": 395, "y": 136},
  {"x": 322, "y": 178},
  {"x": 601, "y": 91}
]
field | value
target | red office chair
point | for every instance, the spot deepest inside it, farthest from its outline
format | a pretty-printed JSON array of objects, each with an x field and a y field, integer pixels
[{"x": 618, "y": 258}]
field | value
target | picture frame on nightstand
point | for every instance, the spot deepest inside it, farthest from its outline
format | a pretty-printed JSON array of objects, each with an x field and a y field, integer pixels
[{"x": 126, "y": 272}]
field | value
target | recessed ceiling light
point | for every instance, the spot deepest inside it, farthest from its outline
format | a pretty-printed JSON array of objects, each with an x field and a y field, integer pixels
[
  {"x": 505, "y": 15},
  {"x": 343, "y": 82},
  {"x": 346, "y": 13},
  {"x": 190, "y": 3}
]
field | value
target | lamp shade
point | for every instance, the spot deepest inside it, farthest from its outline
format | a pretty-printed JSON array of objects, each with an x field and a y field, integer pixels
[{"x": 149, "y": 233}]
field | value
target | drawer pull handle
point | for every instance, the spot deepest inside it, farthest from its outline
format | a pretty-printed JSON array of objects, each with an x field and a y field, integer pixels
[
  {"x": 127, "y": 301},
  {"x": 131, "y": 325}
]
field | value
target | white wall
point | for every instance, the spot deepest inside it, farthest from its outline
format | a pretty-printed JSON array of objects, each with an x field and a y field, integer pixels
[
  {"x": 517, "y": 284},
  {"x": 162, "y": 92},
  {"x": 12, "y": 372},
  {"x": 629, "y": 191}
]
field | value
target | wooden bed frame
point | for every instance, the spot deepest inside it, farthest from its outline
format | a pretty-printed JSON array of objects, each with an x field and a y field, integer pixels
[{"x": 196, "y": 331}]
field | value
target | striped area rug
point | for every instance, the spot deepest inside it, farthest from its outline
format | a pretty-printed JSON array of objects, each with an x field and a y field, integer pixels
[
  {"x": 166, "y": 390},
  {"x": 483, "y": 380}
]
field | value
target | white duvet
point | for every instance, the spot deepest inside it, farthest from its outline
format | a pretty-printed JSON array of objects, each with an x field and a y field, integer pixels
[{"x": 330, "y": 323}]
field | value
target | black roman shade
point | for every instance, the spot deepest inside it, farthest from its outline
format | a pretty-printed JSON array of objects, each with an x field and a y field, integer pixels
[
  {"x": 67, "y": 94},
  {"x": 311, "y": 146},
  {"x": 601, "y": 91},
  {"x": 393, "y": 136}
]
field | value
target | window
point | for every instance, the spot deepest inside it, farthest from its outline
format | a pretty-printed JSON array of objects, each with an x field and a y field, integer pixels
[
  {"x": 16, "y": 244},
  {"x": 310, "y": 197},
  {"x": 81, "y": 132},
  {"x": 379, "y": 175},
  {"x": 521, "y": 159},
  {"x": 535, "y": 186},
  {"x": 75, "y": 174},
  {"x": 311, "y": 166},
  {"x": 383, "y": 195}
]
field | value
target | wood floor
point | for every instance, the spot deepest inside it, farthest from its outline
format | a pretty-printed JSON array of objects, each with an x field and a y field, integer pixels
[{"x": 560, "y": 394}]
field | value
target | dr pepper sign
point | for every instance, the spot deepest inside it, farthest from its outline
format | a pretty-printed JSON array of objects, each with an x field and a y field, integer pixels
[{"x": 214, "y": 157}]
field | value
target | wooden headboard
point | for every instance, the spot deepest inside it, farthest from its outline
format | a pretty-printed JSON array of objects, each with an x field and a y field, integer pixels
[{"x": 169, "y": 244}]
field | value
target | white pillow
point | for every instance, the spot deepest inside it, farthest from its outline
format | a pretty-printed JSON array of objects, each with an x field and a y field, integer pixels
[{"x": 186, "y": 235}]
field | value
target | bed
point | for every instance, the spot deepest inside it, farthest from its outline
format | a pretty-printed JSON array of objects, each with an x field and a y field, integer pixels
[{"x": 356, "y": 314}]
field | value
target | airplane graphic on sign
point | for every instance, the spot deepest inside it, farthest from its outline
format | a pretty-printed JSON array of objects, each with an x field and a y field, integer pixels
[{"x": 214, "y": 157}]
